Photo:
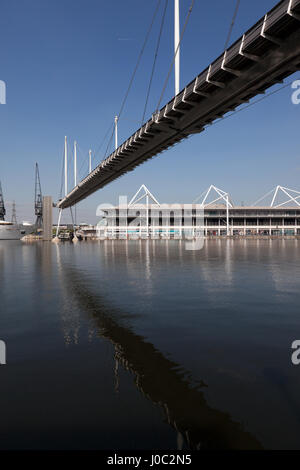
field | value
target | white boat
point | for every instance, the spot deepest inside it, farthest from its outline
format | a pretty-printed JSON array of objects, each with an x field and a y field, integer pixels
[
  {"x": 14, "y": 231},
  {"x": 11, "y": 231}
]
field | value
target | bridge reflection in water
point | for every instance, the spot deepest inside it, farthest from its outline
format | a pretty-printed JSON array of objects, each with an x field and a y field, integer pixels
[{"x": 162, "y": 381}]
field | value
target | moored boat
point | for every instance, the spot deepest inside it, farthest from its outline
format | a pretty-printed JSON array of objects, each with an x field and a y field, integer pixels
[{"x": 11, "y": 231}]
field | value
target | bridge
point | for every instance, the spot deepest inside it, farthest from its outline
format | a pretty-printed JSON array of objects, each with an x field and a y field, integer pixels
[{"x": 265, "y": 55}]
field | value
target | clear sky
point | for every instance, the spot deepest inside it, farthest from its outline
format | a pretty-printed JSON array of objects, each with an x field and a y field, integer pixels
[{"x": 67, "y": 65}]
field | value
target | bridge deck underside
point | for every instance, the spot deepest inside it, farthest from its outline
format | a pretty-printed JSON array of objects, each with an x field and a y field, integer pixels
[{"x": 264, "y": 56}]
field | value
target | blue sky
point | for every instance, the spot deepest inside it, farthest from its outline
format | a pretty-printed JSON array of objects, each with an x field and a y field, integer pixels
[{"x": 67, "y": 65}]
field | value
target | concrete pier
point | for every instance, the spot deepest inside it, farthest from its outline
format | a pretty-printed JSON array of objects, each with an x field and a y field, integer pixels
[{"x": 47, "y": 218}]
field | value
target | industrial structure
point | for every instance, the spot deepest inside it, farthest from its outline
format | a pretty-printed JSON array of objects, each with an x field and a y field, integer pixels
[
  {"x": 14, "y": 214},
  {"x": 145, "y": 217},
  {"x": 38, "y": 199},
  {"x": 12, "y": 230},
  {"x": 2, "y": 206}
]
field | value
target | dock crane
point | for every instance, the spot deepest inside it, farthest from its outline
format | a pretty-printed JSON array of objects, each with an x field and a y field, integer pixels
[
  {"x": 14, "y": 214},
  {"x": 2, "y": 207},
  {"x": 38, "y": 199}
]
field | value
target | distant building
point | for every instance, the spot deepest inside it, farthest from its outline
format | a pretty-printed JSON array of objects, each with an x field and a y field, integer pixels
[{"x": 220, "y": 217}]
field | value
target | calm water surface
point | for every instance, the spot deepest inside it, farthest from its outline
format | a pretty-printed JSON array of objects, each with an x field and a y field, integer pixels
[{"x": 145, "y": 345}]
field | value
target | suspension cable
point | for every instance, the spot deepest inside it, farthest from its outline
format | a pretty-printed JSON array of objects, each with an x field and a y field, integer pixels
[
  {"x": 139, "y": 58},
  {"x": 155, "y": 59},
  {"x": 84, "y": 161},
  {"x": 86, "y": 156},
  {"x": 103, "y": 140},
  {"x": 131, "y": 79},
  {"x": 173, "y": 61},
  {"x": 267, "y": 95},
  {"x": 69, "y": 161},
  {"x": 232, "y": 24},
  {"x": 109, "y": 142}
]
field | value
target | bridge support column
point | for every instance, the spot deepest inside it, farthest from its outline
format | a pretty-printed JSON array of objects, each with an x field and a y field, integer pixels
[
  {"x": 56, "y": 239},
  {"x": 47, "y": 218},
  {"x": 75, "y": 238}
]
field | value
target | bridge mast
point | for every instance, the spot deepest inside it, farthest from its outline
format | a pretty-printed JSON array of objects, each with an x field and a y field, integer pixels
[
  {"x": 2, "y": 207},
  {"x": 75, "y": 175},
  {"x": 116, "y": 132},
  {"x": 177, "y": 46},
  {"x": 66, "y": 167},
  {"x": 90, "y": 161},
  {"x": 75, "y": 164}
]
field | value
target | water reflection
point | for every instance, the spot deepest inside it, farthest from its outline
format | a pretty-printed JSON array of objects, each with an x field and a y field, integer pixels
[
  {"x": 70, "y": 316},
  {"x": 159, "y": 379}
]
